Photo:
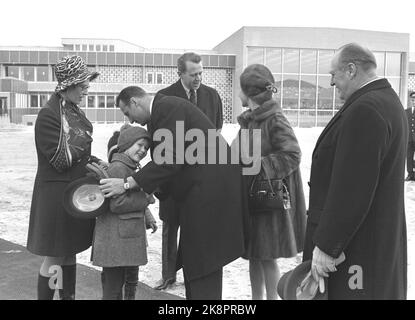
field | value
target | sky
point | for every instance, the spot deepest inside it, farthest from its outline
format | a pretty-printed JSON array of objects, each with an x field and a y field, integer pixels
[{"x": 185, "y": 24}]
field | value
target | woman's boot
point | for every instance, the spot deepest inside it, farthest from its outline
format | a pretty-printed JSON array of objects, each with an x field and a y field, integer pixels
[
  {"x": 68, "y": 283},
  {"x": 44, "y": 292}
]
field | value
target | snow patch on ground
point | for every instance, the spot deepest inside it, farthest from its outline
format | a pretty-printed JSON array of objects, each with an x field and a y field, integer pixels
[{"x": 18, "y": 164}]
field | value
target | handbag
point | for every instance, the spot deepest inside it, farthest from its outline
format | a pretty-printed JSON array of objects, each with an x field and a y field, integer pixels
[{"x": 268, "y": 195}]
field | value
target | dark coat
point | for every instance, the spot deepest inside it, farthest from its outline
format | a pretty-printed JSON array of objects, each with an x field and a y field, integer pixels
[
  {"x": 357, "y": 195},
  {"x": 52, "y": 231},
  {"x": 120, "y": 234},
  {"x": 411, "y": 124},
  {"x": 281, "y": 156},
  {"x": 209, "y": 102},
  {"x": 210, "y": 197}
]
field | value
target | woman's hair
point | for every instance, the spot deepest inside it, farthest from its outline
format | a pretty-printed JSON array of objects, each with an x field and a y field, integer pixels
[{"x": 257, "y": 83}]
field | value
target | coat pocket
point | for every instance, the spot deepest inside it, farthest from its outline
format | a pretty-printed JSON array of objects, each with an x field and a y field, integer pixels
[{"x": 130, "y": 228}]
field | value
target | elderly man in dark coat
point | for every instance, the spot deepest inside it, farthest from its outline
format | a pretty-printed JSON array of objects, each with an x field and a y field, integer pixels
[
  {"x": 357, "y": 186},
  {"x": 209, "y": 195},
  {"x": 207, "y": 99}
]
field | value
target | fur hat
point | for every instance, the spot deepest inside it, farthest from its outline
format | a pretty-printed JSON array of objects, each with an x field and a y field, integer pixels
[
  {"x": 257, "y": 83},
  {"x": 72, "y": 70},
  {"x": 129, "y": 135}
]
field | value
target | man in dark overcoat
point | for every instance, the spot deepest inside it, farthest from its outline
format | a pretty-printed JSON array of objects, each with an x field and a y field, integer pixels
[
  {"x": 190, "y": 87},
  {"x": 210, "y": 196},
  {"x": 410, "y": 114},
  {"x": 357, "y": 186}
]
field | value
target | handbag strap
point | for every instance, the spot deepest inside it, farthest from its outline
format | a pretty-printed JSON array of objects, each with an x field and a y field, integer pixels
[{"x": 268, "y": 180}]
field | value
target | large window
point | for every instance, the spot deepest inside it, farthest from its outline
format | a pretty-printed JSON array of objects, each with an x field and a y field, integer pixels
[
  {"x": 325, "y": 93},
  {"x": 393, "y": 64},
  {"x": 380, "y": 62},
  {"x": 91, "y": 101},
  {"x": 110, "y": 102},
  {"x": 101, "y": 101},
  {"x": 324, "y": 61},
  {"x": 159, "y": 78},
  {"x": 12, "y": 71},
  {"x": 149, "y": 77},
  {"x": 308, "y": 92},
  {"x": 290, "y": 91},
  {"x": 309, "y": 61},
  {"x": 34, "y": 101},
  {"x": 291, "y": 61},
  {"x": 42, "y": 74},
  {"x": 302, "y": 77},
  {"x": 29, "y": 73},
  {"x": 273, "y": 60},
  {"x": 43, "y": 99},
  {"x": 255, "y": 55}
]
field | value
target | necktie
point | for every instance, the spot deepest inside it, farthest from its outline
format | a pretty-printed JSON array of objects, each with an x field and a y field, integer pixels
[{"x": 193, "y": 97}]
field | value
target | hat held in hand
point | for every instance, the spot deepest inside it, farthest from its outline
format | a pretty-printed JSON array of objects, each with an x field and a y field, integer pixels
[
  {"x": 83, "y": 198},
  {"x": 298, "y": 284}
]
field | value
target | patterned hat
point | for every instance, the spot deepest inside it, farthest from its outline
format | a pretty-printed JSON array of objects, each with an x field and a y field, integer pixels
[{"x": 72, "y": 70}]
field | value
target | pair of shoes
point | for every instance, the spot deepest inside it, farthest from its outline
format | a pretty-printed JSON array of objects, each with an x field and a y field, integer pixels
[
  {"x": 165, "y": 284},
  {"x": 410, "y": 177}
]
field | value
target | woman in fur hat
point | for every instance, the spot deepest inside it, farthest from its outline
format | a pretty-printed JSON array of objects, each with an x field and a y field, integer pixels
[
  {"x": 63, "y": 137},
  {"x": 278, "y": 232}
]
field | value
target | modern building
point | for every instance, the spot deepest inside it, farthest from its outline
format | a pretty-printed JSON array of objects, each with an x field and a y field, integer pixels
[
  {"x": 300, "y": 61},
  {"x": 411, "y": 75},
  {"x": 27, "y": 79},
  {"x": 298, "y": 57}
]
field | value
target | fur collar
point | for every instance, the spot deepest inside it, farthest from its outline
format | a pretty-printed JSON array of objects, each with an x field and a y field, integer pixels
[{"x": 259, "y": 114}]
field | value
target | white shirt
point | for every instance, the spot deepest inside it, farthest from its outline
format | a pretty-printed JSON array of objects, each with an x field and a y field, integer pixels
[
  {"x": 370, "y": 81},
  {"x": 151, "y": 104},
  {"x": 187, "y": 90}
]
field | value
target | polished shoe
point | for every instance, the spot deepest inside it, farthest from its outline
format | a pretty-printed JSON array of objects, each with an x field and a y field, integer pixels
[{"x": 165, "y": 284}]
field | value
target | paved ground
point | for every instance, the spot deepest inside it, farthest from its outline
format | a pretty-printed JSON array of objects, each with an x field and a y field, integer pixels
[{"x": 18, "y": 278}]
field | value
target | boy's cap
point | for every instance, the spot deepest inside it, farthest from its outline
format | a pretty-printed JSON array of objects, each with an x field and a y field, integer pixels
[{"x": 129, "y": 135}]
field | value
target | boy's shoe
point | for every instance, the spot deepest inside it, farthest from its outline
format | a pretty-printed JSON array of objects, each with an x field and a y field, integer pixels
[{"x": 165, "y": 284}]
